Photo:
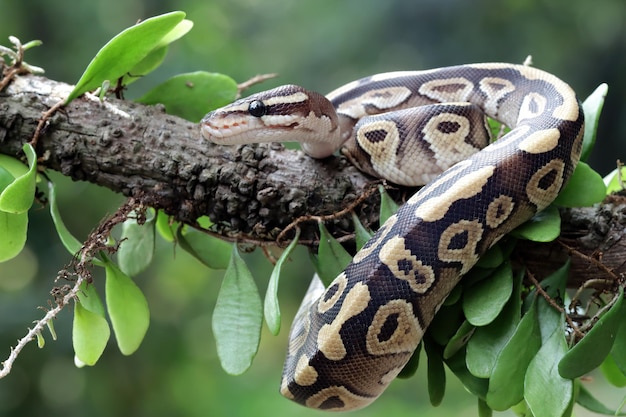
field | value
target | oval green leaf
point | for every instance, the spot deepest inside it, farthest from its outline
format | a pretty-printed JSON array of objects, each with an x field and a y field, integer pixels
[
  {"x": 590, "y": 352},
  {"x": 271, "y": 308},
  {"x": 70, "y": 243},
  {"x": 193, "y": 95},
  {"x": 546, "y": 392},
  {"x": 612, "y": 180},
  {"x": 90, "y": 299},
  {"x": 124, "y": 51},
  {"x": 506, "y": 383},
  {"x": 592, "y": 107},
  {"x": 156, "y": 56},
  {"x": 544, "y": 226},
  {"x": 492, "y": 258},
  {"x": 585, "y": 188},
  {"x": 436, "y": 374},
  {"x": 238, "y": 317},
  {"x": 612, "y": 372},
  {"x": 460, "y": 338},
  {"x": 13, "y": 165},
  {"x": 13, "y": 229},
  {"x": 128, "y": 309},
  {"x": 361, "y": 234},
  {"x": 618, "y": 351},
  {"x": 90, "y": 334},
  {"x": 211, "y": 251},
  {"x": 331, "y": 259},
  {"x": 388, "y": 207},
  {"x": 165, "y": 226},
  {"x": 588, "y": 401},
  {"x": 488, "y": 341},
  {"x": 477, "y": 386},
  {"x": 136, "y": 245},
  {"x": 483, "y": 301},
  {"x": 18, "y": 196}
]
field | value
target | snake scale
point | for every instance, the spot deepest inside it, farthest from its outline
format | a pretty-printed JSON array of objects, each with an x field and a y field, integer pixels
[{"x": 349, "y": 341}]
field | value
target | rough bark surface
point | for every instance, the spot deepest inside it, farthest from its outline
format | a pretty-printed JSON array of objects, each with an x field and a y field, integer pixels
[
  {"x": 251, "y": 192},
  {"x": 162, "y": 160}
]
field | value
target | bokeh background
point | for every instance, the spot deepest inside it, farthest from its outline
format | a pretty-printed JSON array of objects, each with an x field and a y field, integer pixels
[{"x": 320, "y": 44}]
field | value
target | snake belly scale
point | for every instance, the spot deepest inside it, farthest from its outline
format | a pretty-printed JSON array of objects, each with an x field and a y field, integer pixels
[{"x": 350, "y": 340}]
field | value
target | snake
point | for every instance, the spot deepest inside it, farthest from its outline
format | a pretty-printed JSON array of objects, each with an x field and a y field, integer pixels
[{"x": 350, "y": 340}]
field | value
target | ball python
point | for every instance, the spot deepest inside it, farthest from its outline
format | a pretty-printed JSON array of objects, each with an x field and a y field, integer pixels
[{"x": 350, "y": 340}]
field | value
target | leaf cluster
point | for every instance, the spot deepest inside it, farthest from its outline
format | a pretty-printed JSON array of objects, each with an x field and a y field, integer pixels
[{"x": 507, "y": 341}]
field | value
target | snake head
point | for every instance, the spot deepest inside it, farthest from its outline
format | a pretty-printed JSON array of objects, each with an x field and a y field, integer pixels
[{"x": 284, "y": 114}]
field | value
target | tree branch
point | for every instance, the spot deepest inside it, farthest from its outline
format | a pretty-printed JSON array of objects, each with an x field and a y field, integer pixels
[
  {"x": 250, "y": 192},
  {"x": 164, "y": 162}
]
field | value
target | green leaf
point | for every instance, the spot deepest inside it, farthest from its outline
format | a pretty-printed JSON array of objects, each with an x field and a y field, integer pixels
[
  {"x": 446, "y": 323},
  {"x": 546, "y": 392},
  {"x": 612, "y": 372},
  {"x": 209, "y": 250},
  {"x": 488, "y": 341},
  {"x": 72, "y": 244},
  {"x": 460, "y": 338},
  {"x": 193, "y": 95},
  {"x": 90, "y": 334},
  {"x": 612, "y": 180},
  {"x": 331, "y": 259},
  {"x": 483, "y": 409},
  {"x": 151, "y": 62},
  {"x": 18, "y": 196},
  {"x": 136, "y": 245},
  {"x": 238, "y": 317},
  {"x": 506, "y": 383},
  {"x": 388, "y": 207},
  {"x": 477, "y": 386},
  {"x": 124, "y": 51},
  {"x": 128, "y": 309},
  {"x": 361, "y": 234},
  {"x": 13, "y": 165},
  {"x": 157, "y": 55},
  {"x": 90, "y": 299},
  {"x": 483, "y": 301},
  {"x": 588, "y": 401},
  {"x": 271, "y": 308},
  {"x": 591, "y": 350},
  {"x": 554, "y": 285},
  {"x": 436, "y": 374},
  {"x": 585, "y": 188},
  {"x": 492, "y": 258},
  {"x": 618, "y": 351},
  {"x": 544, "y": 226},
  {"x": 13, "y": 229},
  {"x": 165, "y": 226},
  {"x": 592, "y": 107}
]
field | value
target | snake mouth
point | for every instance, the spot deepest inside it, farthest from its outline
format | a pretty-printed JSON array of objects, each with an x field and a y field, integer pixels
[{"x": 222, "y": 132}]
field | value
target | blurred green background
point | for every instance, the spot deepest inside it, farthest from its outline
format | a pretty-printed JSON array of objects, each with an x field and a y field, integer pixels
[{"x": 319, "y": 44}]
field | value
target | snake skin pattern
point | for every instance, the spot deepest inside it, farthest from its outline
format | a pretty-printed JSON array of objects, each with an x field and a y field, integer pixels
[{"x": 349, "y": 341}]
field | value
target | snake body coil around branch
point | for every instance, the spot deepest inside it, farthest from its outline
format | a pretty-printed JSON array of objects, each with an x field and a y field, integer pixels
[{"x": 350, "y": 340}]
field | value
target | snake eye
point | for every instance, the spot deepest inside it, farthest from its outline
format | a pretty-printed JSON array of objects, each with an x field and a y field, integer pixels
[{"x": 257, "y": 108}]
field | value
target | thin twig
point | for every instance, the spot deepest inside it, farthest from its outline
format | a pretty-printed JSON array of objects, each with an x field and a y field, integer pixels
[
  {"x": 553, "y": 304},
  {"x": 323, "y": 218},
  {"x": 95, "y": 242},
  {"x": 598, "y": 264},
  {"x": 257, "y": 79}
]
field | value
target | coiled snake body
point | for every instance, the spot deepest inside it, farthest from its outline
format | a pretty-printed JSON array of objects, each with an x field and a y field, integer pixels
[{"x": 349, "y": 341}]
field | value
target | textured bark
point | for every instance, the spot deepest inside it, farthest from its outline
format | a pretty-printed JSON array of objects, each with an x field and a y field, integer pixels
[
  {"x": 162, "y": 160},
  {"x": 250, "y": 192}
]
